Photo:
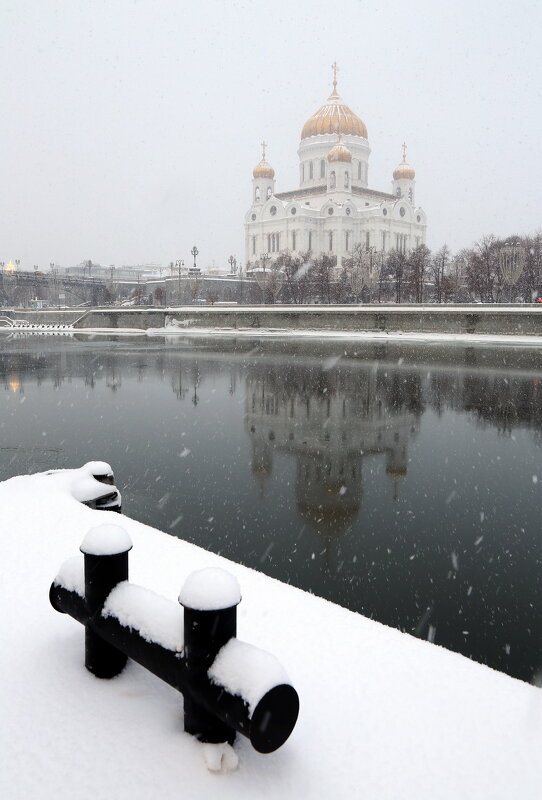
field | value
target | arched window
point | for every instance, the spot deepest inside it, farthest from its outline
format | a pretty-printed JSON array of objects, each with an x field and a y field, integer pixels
[
  {"x": 410, "y": 194},
  {"x": 253, "y": 245},
  {"x": 310, "y": 171},
  {"x": 359, "y": 170},
  {"x": 268, "y": 192},
  {"x": 303, "y": 171},
  {"x": 310, "y": 241},
  {"x": 322, "y": 168},
  {"x": 293, "y": 240},
  {"x": 331, "y": 241},
  {"x": 257, "y": 193},
  {"x": 332, "y": 180},
  {"x": 398, "y": 192},
  {"x": 346, "y": 180},
  {"x": 346, "y": 239}
]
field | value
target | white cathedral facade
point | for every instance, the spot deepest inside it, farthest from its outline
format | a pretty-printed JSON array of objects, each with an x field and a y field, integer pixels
[{"x": 333, "y": 210}]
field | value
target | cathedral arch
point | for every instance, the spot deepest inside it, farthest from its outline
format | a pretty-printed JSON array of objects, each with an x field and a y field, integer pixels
[
  {"x": 311, "y": 170},
  {"x": 346, "y": 179},
  {"x": 257, "y": 193},
  {"x": 332, "y": 180},
  {"x": 269, "y": 192},
  {"x": 322, "y": 168}
]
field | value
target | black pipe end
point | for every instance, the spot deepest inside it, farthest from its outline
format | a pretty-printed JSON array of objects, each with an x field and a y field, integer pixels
[
  {"x": 274, "y": 718},
  {"x": 53, "y": 599}
]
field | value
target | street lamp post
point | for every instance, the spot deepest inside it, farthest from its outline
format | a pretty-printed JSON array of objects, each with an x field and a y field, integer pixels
[
  {"x": 194, "y": 252},
  {"x": 179, "y": 264},
  {"x": 231, "y": 262},
  {"x": 262, "y": 279}
]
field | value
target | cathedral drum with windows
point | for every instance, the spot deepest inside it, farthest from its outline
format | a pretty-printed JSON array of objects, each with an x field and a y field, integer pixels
[{"x": 333, "y": 210}]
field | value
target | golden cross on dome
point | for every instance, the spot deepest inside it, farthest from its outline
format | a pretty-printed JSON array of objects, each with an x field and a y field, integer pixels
[
  {"x": 335, "y": 69},
  {"x": 264, "y": 145},
  {"x": 404, "y": 151}
]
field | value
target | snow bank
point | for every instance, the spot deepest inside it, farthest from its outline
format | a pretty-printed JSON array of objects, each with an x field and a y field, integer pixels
[
  {"x": 210, "y": 589},
  {"x": 383, "y": 715},
  {"x": 247, "y": 671}
]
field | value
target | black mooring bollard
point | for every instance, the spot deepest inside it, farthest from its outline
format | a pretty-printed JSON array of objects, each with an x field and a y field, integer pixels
[
  {"x": 105, "y": 549},
  {"x": 209, "y": 598},
  {"x": 109, "y": 500},
  {"x": 208, "y": 665}
]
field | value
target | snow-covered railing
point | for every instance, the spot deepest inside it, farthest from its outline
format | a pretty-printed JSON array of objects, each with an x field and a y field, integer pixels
[{"x": 227, "y": 685}]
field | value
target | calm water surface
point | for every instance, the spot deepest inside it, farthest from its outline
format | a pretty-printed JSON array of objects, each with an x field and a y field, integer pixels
[{"x": 403, "y": 482}]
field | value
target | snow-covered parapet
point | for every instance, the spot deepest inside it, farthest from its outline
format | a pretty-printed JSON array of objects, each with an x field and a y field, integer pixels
[{"x": 228, "y": 685}]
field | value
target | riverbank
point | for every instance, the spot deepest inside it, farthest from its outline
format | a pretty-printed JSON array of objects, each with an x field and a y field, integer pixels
[
  {"x": 383, "y": 714},
  {"x": 479, "y": 320}
]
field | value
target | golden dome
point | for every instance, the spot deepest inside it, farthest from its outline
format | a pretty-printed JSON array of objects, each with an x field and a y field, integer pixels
[
  {"x": 339, "y": 152},
  {"x": 334, "y": 117},
  {"x": 404, "y": 170},
  {"x": 263, "y": 169}
]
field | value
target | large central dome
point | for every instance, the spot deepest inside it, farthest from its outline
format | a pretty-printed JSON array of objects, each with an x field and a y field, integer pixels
[{"x": 334, "y": 117}]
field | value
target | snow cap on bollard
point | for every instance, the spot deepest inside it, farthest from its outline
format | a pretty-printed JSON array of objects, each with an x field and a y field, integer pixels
[
  {"x": 106, "y": 540},
  {"x": 100, "y": 470},
  {"x": 210, "y": 589}
]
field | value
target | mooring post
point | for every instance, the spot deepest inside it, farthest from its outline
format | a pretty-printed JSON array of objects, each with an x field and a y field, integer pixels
[
  {"x": 105, "y": 549},
  {"x": 210, "y": 598}
]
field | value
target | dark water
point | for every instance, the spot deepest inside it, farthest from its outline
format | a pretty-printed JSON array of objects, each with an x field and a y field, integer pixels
[{"x": 401, "y": 482}]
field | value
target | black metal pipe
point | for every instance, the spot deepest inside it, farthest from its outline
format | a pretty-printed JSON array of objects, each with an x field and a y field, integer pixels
[
  {"x": 268, "y": 727},
  {"x": 102, "y": 574},
  {"x": 205, "y": 633}
]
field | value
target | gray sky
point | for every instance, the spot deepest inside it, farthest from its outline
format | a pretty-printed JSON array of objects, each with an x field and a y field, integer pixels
[{"x": 130, "y": 127}]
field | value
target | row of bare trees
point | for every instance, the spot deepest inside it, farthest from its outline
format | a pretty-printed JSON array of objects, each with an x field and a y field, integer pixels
[{"x": 493, "y": 270}]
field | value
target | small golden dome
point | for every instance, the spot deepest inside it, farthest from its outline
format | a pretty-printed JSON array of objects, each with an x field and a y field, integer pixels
[
  {"x": 404, "y": 170},
  {"x": 263, "y": 169},
  {"x": 339, "y": 152}
]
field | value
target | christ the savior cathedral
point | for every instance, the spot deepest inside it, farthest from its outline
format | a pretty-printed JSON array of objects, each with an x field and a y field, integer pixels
[{"x": 333, "y": 210}]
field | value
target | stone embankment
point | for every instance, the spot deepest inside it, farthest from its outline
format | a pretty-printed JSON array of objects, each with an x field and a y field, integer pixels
[{"x": 523, "y": 320}]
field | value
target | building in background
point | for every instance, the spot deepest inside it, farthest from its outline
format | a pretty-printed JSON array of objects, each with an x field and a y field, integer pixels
[{"x": 334, "y": 209}]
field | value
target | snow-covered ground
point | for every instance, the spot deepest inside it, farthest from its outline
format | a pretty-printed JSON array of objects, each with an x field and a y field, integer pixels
[{"x": 383, "y": 715}]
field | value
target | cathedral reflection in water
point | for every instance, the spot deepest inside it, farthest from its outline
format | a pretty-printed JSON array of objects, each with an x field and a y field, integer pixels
[{"x": 330, "y": 423}]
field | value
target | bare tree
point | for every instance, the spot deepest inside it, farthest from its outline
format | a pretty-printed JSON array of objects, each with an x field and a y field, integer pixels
[
  {"x": 322, "y": 274},
  {"x": 395, "y": 264},
  {"x": 296, "y": 271},
  {"x": 417, "y": 266},
  {"x": 483, "y": 269},
  {"x": 439, "y": 271}
]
